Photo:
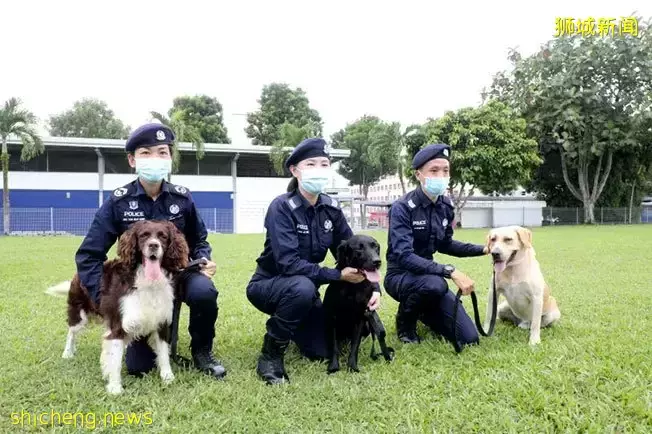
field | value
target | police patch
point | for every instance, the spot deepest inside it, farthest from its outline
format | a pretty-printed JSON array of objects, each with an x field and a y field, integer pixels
[
  {"x": 133, "y": 204},
  {"x": 180, "y": 189},
  {"x": 174, "y": 208},
  {"x": 328, "y": 225},
  {"x": 160, "y": 135},
  {"x": 118, "y": 192},
  {"x": 444, "y": 222}
]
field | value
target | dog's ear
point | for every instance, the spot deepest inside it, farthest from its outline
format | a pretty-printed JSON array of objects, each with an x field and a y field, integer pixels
[
  {"x": 525, "y": 235},
  {"x": 128, "y": 246},
  {"x": 487, "y": 243},
  {"x": 177, "y": 253},
  {"x": 342, "y": 251}
]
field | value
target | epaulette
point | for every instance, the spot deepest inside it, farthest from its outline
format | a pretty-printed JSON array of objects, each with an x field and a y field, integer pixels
[
  {"x": 293, "y": 202},
  {"x": 447, "y": 201},
  {"x": 330, "y": 201},
  {"x": 124, "y": 191},
  {"x": 179, "y": 189}
]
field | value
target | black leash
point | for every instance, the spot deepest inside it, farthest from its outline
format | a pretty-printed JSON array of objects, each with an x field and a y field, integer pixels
[
  {"x": 476, "y": 314},
  {"x": 192, "y": 267},
  {"x": 378, "y": 331}
]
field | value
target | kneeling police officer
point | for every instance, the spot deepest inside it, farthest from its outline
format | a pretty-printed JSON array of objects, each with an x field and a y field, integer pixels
[
  {"x": 420, "y": 224},
  {"x": 149, "y": 151}
]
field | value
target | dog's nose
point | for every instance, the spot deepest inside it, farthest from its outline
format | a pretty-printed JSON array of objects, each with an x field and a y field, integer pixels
[
  {"x": 153, "y": 246},
  {"x": 495, "y": 255},
  {"x": 377, "y": 263}
]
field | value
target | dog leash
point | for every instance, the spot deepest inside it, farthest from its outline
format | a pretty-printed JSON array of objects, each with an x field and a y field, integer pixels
[
  {"x": 476, "y": 314},
  {"x": 192, "y": 267},
  {"x": 378, "y": 332}
]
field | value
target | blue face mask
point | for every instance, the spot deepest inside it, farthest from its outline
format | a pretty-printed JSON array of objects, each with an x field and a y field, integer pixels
[
  {"x": 153, "y": 169},
  {"x": 436, "y": 186},
  {"x": 314, "y": 180}
]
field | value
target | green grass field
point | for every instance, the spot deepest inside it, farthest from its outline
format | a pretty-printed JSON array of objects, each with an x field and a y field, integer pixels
[{"x": 591, "y": 373}]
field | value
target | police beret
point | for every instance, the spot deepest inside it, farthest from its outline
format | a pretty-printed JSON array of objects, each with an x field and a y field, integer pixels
[
  {"x": 430, "y": 152},
  {"x": 309, "y": 148},
  {"x": 149, "y": 135}
]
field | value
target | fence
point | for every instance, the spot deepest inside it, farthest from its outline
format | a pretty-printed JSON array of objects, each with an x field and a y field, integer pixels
[
  {"x": 524, "y": 216},
  {"x": 607, "y": 216},
  {"x": 76, "y": 221}
]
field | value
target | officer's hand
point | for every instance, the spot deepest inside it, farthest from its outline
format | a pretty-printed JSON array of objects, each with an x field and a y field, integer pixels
[
  {"x": 209, "y": 269},
  {"x": 463, "y": 282},
  {"x": 352, "y": 275},
  {"x": 485, "y": 251},
  {"x": 374, "y": 302}
]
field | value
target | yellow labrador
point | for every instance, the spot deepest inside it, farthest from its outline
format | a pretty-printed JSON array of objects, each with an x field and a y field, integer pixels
[{"x": 519, "y": 279}]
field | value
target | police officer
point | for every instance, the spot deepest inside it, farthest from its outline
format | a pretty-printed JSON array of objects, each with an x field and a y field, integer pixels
[
  {"x": 150, "y": 196},
  {"x": 302, "y": 225},
  {"x": 420, "y": 224}
]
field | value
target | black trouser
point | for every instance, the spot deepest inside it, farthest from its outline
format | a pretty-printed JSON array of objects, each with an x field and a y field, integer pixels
[
  {"x": 426, "y": 297},
  {"x": 296, "y": 311},
  {"x": 201, "y": 298}
]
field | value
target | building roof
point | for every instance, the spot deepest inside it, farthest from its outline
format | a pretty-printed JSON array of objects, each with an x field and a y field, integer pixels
[{"x": 222, "y": 148}]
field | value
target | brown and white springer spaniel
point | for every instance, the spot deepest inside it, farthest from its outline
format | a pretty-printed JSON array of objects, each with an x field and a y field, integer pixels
[{"x": 136, "y": 297}]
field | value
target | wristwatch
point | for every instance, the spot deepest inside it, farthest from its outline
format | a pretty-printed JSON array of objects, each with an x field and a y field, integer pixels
[{"x": 448, "y": 271}]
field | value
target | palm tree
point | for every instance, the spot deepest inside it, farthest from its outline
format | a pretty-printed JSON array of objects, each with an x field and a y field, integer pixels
[
  {"x": 18, "y": 122},
  {"x": 184, "y": 133},
  {"x": 290, "y": 135}
]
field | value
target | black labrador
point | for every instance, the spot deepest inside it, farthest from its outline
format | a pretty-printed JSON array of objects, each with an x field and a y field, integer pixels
[{"x": 345, "y": 304}]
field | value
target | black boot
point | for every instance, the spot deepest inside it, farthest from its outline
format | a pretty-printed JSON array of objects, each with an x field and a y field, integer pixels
[
  {"x": 205, "y": 361},
  {"x": 406, "y": 326},
  {"x": 271, "y": 367}
]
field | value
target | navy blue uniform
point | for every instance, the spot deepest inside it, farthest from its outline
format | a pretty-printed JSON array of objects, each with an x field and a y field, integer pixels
[
  {"x": 419, "y": 227},
  {"x": 127, "y": 205},
  {"x": 288, "y": 274}
]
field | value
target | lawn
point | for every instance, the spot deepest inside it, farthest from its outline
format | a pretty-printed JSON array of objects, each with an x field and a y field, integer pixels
[{"x": 591, "y": 373}]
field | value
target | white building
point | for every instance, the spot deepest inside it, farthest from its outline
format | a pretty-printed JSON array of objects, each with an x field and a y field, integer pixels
[{"x": 60, "y": 190}]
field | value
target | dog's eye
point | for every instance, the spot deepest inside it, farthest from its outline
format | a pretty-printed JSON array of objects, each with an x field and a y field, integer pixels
[
  {"x": 162, "y": 235},
  {"x": 144, "y": 234},
  {"x": 508, "y": 240}
]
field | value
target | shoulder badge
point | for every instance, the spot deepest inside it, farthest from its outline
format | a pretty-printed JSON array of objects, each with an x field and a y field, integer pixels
[
  {"x": 411, "y": 203},
  {"x": 119, "y": 192},
  {"x": 179, "y": 189},
  {"x": 292, "y": 203}
]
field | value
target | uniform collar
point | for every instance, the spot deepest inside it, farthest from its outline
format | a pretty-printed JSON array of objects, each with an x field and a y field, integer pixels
[
  {"x": 165, "y": 187},
  {"x": 304, "y": 202},
  {"x": 420, "y": 198}
]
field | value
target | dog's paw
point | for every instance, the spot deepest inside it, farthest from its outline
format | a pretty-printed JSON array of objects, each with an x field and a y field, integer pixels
[
  {"x": 535, "y": 340},
  {"x": 525, "y": 325},
  {"x": 167, "y": 377},
  {"x": 353, "y": 368},
  {"x": 392, "y": 354},
  {"x": 68, "y": 354},
  {"x": 333, "y": 368},
  {"x": 114, "y": 388}
]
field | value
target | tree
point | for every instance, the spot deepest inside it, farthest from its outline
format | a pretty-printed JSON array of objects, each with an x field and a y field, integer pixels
[
  {"x": 88, "y": 118},
  {"x": 184, "y": 133},
  {"x": 204, "y": 114},
  {"x": 373, "y": 151},
  {"x": 19, "y": 122},
  {"x": 280, "y": 104},
  {"x": 290, "y": 136},
  {"x": 398, "y": 140},
  {"x": 490, "y": 150},
  {"x": 584, "y": 98}
]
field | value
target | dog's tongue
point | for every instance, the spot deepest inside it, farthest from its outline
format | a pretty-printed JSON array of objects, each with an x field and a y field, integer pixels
[
  {"x": 372, "y": 275},
  {"x": 499, "y": 267},
  {"x": 152, "y": 269}
]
